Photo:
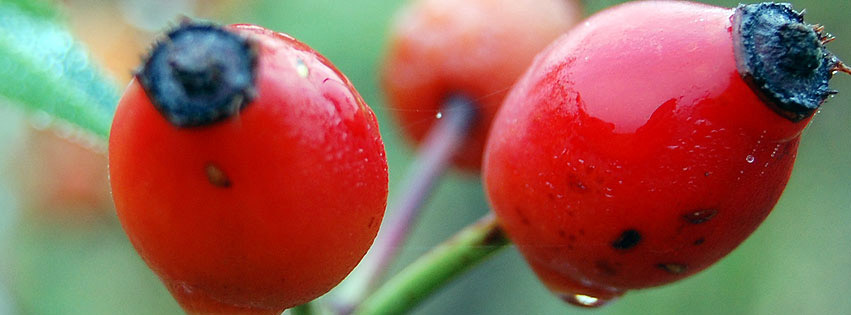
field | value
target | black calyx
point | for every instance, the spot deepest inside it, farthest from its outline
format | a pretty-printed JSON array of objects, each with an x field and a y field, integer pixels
[
  {"x": 783, "y": 59},
  {"x": 199, "y": 74}
]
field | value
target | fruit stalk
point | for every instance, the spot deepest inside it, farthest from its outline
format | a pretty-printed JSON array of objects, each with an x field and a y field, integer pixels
[
  {"x": 433, "y": 158},
  {"x": 430, "y": 272},
  {"x": 305, "y": 309}
]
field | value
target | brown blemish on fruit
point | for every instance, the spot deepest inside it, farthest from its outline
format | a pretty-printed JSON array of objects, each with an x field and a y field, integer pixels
[
  {"x": 700, "y": 216},
  {"x": 522, "y": 217},
  {"x": 371, "y": 222},
  {"x": 216, "y": 176},
  {"x": 699, "y": 241},
  {"x": 628, "y": 239},
  {"x": 605, "y": 268},
  {"x": 672, "y": 268}
]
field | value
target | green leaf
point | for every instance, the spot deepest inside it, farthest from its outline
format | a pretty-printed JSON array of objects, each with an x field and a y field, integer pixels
[
  {"x": 45, "y": 70},
  {"x": 43, "y": 8}
]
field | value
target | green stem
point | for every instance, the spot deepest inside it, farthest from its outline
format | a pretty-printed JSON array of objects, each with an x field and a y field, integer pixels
[
  {"x": 305, "y": 309},
  {"x": 427, "y": 274}
]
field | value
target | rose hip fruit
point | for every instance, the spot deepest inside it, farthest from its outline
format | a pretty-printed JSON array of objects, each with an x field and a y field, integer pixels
[
  {"x": 246, "y": 170},
  {"x": 474, "y": 48},
  {"x": 649, "y": 142}
]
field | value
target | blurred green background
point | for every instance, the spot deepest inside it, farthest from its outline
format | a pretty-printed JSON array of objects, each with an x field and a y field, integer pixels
[{"x": 62, "y": 250}]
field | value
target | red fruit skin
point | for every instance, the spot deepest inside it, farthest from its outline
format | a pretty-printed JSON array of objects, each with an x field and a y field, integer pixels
[
  {"x": 642, "y": 127},
  {"x": 477, "y": 48},
  {"x": 306, "y": 186}
]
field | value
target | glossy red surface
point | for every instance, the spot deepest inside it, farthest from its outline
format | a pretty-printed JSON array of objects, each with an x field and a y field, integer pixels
[
  {"x": 265, "y": 210},
  {"x": 631, "y": 155},
  {"x": 476, "y": 48}
]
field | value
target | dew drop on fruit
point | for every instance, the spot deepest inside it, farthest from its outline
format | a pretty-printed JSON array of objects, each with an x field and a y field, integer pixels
[
  {"x": 439, "y": 115},
  {"x": 301, "y": 68},
  {"x": 750, "y": 159},
  {"x": 583, "y": 300}
]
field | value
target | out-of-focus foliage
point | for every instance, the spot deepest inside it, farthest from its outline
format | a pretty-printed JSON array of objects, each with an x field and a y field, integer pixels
[
  {"x": 41, "y": 8},
  {"x": 44, "y": 68},
  {"x": 796, "y": 263}
]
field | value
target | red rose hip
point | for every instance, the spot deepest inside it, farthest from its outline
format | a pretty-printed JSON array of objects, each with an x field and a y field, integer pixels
[
  {"x": 475, "y": 49},
  {"x": 650, "y": 141},
  {"x": 246, "y": 170}
]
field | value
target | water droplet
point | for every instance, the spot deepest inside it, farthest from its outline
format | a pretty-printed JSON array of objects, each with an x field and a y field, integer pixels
[
  {"x": 301, "y": 68},
  {"x": 583, "y": 300},
  {"x": 439, "y": 115},
  {"x": 774, "y": 152},
  {"x": 750, "y": 159}
]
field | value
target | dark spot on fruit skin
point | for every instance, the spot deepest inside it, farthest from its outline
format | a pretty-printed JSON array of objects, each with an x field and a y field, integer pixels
[
  {"x": 371, "y": 222},
  {"x": 522, "y": 217},
  {"x": 216, "y": 176},
  {"x": 672, "y": 268},
  {"x": 605, "y": 268},
  {"x": 700, "y": 216},
  {"x": 628, "y": 239},
  {"x": 575, "y": 183},
  {"x": 699, "y": 241},
  {"x": 562, "y": 233}
]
